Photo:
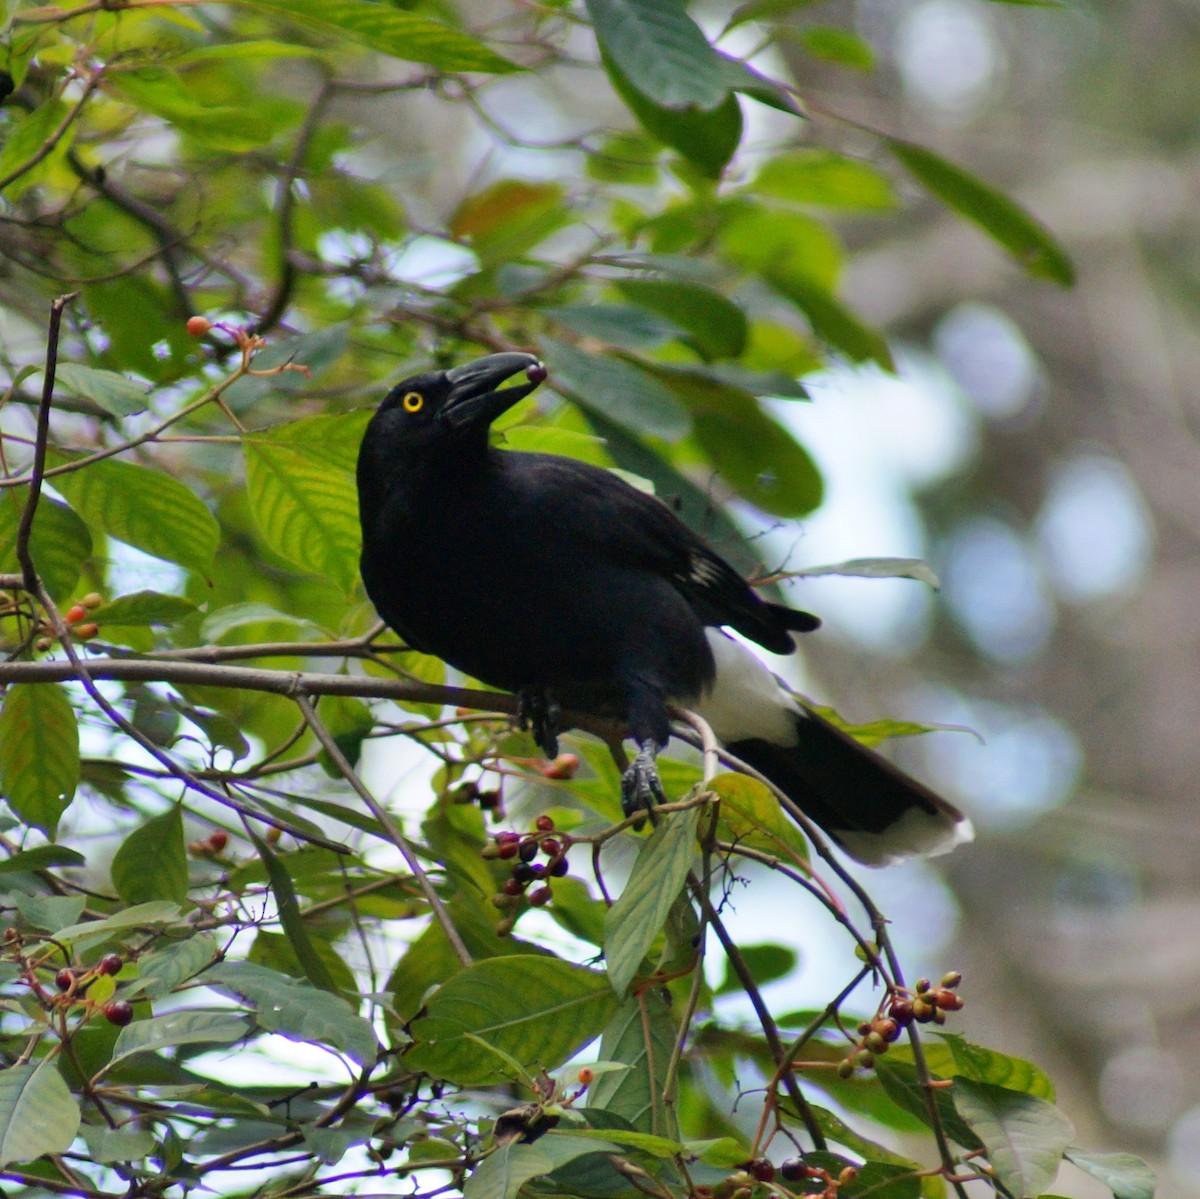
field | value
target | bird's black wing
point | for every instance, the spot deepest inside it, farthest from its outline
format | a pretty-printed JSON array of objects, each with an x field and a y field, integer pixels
[{"x": 604, "y": 516}]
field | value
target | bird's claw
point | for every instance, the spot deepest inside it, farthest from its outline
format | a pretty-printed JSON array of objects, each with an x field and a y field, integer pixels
[
  {"x": 641, "y": 788},
  {"x": 537, "y": 713}
]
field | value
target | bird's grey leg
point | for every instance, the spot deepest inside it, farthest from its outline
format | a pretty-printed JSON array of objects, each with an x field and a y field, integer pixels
[
  {"x": 540, "y": 715},
  {"x": 641, "y": 789}
]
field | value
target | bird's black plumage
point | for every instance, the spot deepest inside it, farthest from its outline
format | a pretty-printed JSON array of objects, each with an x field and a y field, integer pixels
[{"x": 558, "y": 580}]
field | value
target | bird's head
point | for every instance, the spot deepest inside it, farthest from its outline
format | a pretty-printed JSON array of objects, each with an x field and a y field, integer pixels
[{"x": 437, "y": 406}]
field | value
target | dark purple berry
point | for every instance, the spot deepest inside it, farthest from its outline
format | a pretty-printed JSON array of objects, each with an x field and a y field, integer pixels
[
  {"x": 110, "y": 963},
  {"x": 118, "y": 1012},
  {"x": 540, "y": 897},
  {"x": 64, "y": 978},
  {"x": 793, "y": 1169},
  {"x": 527, "y": 851},
  {"x": 559, "y": 867},
  {"x": 523, "y": 872}
]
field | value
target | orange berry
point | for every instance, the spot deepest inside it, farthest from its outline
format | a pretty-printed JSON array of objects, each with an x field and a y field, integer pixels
[
  {"x": 586, "y": 1075},
  {"x": 75, "y": 614},
  {"x": 84, "y": 632},
  {"x": 198, "y": 326}
]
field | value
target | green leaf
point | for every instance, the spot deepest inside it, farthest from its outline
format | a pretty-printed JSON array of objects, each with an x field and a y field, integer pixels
[
  {"x": 163, "y": 94},
  {"x": 837, "y": 45},
  {"x": 237, "y": 616},
  {"x": 980, "y": 1064},
  {"x": 751, "y": 814},
  {"x": 641, "y": 1034},
  {"x": 296, "y": 1010},
  {"x": 38, "y": 1114},
  {"x": 617, "y": 389},
  {"x": 1128, "y": 1177},
  {"x": 25, "y": 138},
  {"x": 146, "y": 508},
  {"x": 502, "y": 1174},
  {"x": 707, "y": 139},
  {"x": 824, "y": 179},
  {"x": 1024, "y": 237},
  {"x": 108, "y": 1145},
  {"x": 349, "y": 721},
  {"x": 160, "y": 972},
  {"x": 188, "y": 1027},
  {"x": 764, "y": 10},
  {"x": 1024, "y": 1136},
  {"x": 507, "y": 219},
  {"x": 306, "y": 512},
  {"x": 158, "y": 911},
  {"x": 41, "y": 857},
  {"x": 765, "y": 962},
  {"x": 833, "y": 322},
  {"x": 141, "y": 608},
  {"x": 900, "y": 1081},
  {"x": 779, "y": 244},
  {"x": 838, "y": 1131},
  {"x": 538, "y": 1010},
  {"x": 39, "y": 753},
  {"x": 655, "y": 881},
  {"x": 59, "y": 544},
  {"x": 151, "y": 862},
  {"x": 113, "y": 392},
  {"x": 660, "y": 50},
  {"x": 290, "y": 917},
  {"x": 620, "y": 324},
  {"x": 381, "y": 28},
  {"x": 718, "y": 327}
]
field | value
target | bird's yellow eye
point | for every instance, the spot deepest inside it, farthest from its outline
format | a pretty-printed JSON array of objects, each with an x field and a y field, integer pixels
[{"x": 413, "y": 401}]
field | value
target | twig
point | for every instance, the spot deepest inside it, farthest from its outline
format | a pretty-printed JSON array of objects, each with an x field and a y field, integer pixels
[{"x": 387, "y": 824}]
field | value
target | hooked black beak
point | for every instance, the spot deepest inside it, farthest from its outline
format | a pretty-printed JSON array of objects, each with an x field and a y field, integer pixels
[{"x": 474, "y": 402}]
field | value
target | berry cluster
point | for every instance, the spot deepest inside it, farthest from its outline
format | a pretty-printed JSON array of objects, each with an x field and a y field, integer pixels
[
  {"x": 796, "y": 1169},
  {"x": 923, "y": 1004},
  {"x": 741, "y": 1184},
  {"x": 521, "y": 849},
  {"x": 928, "y": 1003},
  {"x": 82, "y": 629},
  {"x": 73, "y": 983},
  {"x": 491, "y": 801}
]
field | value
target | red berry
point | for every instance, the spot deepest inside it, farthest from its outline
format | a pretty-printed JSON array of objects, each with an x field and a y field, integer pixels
[
  {"x": 545, "y": 824},
  {"x": 551, "y": 847},
  {"x": 586, "y": 1075},
  {"x": 198, "y": 326},
  {"x": 218, "y": 839},
  {"x": 118, "y": 1012},
  {"x": 540, "y": 897},
  {"x": 901, "y": 1009},
  {"x": 507, "y": 849},
  {"x": 64, "y": 978},
  {"x": 75, "y": 614},
  {"x": 536, "y": 373},
  {"x": 513, "y": 886},
  {"x": 947, "y": 1000},
  {"x": 565, "y": 766},
  {"x": 110, "y": 963},
  {"x": 85, "y": 632},
  {"x": 887, "y": 1028}
]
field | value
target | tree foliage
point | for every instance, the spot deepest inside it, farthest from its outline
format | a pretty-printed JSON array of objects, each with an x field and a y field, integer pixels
[{"x": 244, "y": 219}]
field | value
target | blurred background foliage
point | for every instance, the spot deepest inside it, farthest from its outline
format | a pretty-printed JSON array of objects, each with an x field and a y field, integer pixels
[{"x": 372, "y": 194}]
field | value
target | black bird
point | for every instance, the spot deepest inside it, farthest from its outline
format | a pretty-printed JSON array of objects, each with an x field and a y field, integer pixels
[{"x": 557, "y": 580}]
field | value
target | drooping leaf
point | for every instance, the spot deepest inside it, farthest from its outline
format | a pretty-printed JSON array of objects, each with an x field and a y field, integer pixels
[
  {"x": 115, "y": 393},
  {"x": 186, "y": 1027},
  {"x": 38, "y": 1114},
  {"x": 145, "y": 507},
  {"x": 707, "y": 139},
  {"x": 538, "y": 1011},
  {"x": 637, "y": 918},
  {"x": 1001, "y": 217},
  {"x": 41, "y": 857},
  {"x": 306, "y": 511},
  {"x": 640, "y": 1034},
  {"x": 144, "y": 608},
  {"x": 59, "y": 543},
  {"x": 660, "y": 50},
  {"x": 403, "y": 35},
  {"x": 616, "y": 389},
  {"x": 297, "y": 1010},
  {"x": 39, "y": 753},
  {"x": 718, "y": 327},
  {"x": 1024, "y": 1136},
  {"x": 509, "y": 217},
  {"x": 151, "y": 862},
  {"x": 823, "y": 179},
  {"x": 505, "y": 1172},
  {"x": 1127, "y": 1176}
]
